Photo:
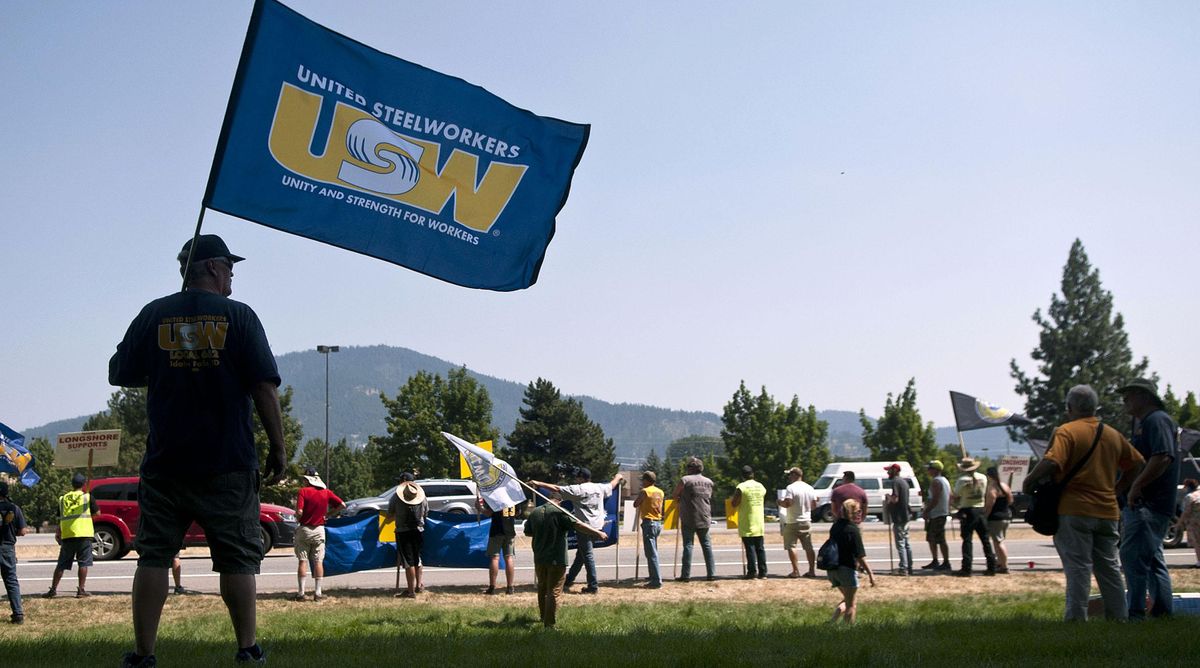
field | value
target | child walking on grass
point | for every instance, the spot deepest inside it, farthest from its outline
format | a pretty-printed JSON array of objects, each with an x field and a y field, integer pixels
[{"x": 851, "y": 557}]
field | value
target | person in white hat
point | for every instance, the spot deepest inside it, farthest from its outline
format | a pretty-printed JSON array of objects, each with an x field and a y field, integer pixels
[
  {"x": 314, "y": 502},
  {"x": 408, "y": 509}
]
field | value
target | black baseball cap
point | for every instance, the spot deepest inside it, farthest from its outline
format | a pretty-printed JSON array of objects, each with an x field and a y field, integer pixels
[{"x": 208, "y": 246}]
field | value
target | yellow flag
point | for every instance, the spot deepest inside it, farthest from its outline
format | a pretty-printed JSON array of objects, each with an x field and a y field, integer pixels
[
  {"x": 670, "y": 514},
  {"x": 730, "y": 515},
  {"x": 387, "y": 530},
  {"x": 464, "y": 469}
]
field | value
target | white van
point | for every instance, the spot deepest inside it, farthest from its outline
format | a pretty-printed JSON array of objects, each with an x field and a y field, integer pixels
[{"x": 874, "y": 480}]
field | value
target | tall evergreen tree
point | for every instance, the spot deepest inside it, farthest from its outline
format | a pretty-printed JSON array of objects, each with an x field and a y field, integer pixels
[
  {"x": 127, "y": 412},
  {"x": 553, "y": 429},
  {"x": 1186, "y": 412},
  {"x": 1082, "y": 341},
  {"x": 655, "y": 463},
  {"x": 426, "y": 406},
  {"x": 900, "y": 434},
  {"x": 770, "y": 437}
]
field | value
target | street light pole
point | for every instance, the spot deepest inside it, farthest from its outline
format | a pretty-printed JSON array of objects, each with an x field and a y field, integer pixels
[{"x": 325, "y": 350}]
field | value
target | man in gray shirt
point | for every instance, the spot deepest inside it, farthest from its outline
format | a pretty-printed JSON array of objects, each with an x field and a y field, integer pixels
[
  {"x": 937, "y": 509},
  {"x": 587, "y": 498},
  {"x": 694, "y": 496},
  {"x": 896, "y": 505}
]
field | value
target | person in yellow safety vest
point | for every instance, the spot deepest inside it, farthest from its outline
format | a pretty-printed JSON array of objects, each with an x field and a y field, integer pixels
[{"x": 75, "y": 509}]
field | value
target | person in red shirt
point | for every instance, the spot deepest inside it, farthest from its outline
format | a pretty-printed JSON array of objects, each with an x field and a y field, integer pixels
[
  {"x": 313, "y": 503},
  {"x": 847, "y": 489}
]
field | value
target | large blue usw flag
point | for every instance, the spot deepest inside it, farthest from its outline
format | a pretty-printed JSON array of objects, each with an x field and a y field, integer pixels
[{"x": 332, "y": 140}]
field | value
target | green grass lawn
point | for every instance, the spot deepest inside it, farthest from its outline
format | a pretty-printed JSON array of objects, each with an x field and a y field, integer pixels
[{"x": 1013, "y": 630}]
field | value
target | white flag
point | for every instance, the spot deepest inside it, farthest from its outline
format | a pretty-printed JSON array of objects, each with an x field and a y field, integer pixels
[{"x": 497, "y": 481}]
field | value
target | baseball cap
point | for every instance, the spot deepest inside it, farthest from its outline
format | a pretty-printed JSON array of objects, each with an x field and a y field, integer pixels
[
  {"x": 208, "y": 246},
  {"x": 935, "y": 464},
  {"x": 892, "y": 467},
  {"x": 747, "y": 470},
  {"x": 405, "y": 477},
  {"x": 583, "y": 472},
  {"x": 77, "y": 480}
]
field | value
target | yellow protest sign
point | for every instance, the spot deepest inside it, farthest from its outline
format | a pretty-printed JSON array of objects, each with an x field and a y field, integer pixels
[
  {"x": 731, "y": 518},
  {"x": 464, "y": 469}
]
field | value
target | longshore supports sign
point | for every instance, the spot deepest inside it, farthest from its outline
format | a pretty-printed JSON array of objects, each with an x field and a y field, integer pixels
[{"x": 71, "y": 449}]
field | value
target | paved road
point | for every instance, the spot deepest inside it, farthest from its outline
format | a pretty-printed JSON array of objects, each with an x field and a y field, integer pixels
[{"x": 279, "y": 568}]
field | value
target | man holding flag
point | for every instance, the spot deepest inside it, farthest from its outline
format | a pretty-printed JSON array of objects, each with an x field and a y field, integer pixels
[
  {"x": 588, "y": 498},
  {"x": 548, "y": 524},
  {"x": 206, "y": 360}
]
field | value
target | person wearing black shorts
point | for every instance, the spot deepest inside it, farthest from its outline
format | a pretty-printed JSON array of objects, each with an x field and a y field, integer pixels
[
  {"x": 408, "y": 508},
  {"x": 205, "y": 360}
]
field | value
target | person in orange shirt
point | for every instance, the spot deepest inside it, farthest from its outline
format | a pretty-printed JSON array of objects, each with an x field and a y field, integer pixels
[
  {"x": 1088, "y": 515},
  {"x": 650, "y": 506}
]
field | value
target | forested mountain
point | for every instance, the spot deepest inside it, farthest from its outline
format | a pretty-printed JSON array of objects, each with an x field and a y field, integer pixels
[{"x": 358, "y": 374}]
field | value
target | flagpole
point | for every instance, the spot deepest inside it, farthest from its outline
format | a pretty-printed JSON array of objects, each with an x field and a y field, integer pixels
[
  {"x": 192, "y": 248},
  {"x": 637, "y": 554},
  {"x": 961, "y": 446},
  {"x": 675, "y": 562},
  {"x": 617, "y": 544}
]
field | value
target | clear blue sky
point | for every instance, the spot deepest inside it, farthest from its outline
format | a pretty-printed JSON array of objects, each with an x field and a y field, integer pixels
[{"x": 823, "y": 198}]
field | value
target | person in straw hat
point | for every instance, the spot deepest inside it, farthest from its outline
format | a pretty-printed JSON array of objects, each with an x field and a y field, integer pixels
[
  {"x": 968, "y": 498},
  {"x": 408, "y": 509},
  {"x": 313, "y": 502},
  {"x": 1147, "y": 512}
]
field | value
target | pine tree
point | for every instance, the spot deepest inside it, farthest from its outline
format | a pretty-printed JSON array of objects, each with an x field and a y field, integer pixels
[
  {"x": 554, "y": 430},
  {"x": 1081, "y": 342},
  {"x": 655, "y": 463},
  {"x": 900, "y": 434},
  {"x": 127, "y": 412},
  {"x": 1186, "y": 413},
  {"x": 426, "y": 406}
]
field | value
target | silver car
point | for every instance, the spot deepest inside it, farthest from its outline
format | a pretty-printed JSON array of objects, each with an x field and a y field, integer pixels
[{"x": 447, "y": 495}]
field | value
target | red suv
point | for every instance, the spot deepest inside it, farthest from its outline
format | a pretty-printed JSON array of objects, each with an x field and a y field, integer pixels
[{"x": 117, "y": 519}]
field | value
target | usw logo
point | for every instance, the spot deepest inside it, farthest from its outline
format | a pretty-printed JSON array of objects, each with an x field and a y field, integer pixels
[{"x": 363, "y": 153}]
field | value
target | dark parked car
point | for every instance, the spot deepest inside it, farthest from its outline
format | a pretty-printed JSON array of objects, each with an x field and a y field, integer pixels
[{"x": 116, "y": 521}]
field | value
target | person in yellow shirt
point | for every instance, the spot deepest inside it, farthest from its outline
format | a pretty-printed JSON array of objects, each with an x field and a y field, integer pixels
[
  {"x": 75, "y": 509},
  {"x": 748, "y": 499},
  {"x": 1088, "y": 514},
  {"x": 649, "y": 504}
]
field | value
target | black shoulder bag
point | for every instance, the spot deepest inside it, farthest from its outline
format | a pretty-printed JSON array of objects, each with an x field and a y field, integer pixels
[{"x": 1042, "y": 513}]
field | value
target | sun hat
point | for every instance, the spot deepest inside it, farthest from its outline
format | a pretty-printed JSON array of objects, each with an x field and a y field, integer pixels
[
  {"x": 1143, "y": 384},
  {"x": 412, "y": 494},
  {"x": 967, "y": 465},
  {"x": 313, "y": 478}
]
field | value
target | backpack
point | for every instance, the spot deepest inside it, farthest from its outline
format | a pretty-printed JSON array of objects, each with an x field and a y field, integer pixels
[{"x": 827, "y": 556}]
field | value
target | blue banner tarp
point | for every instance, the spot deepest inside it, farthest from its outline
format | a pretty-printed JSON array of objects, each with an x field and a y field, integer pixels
[{"x": 451, "y": 541}]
